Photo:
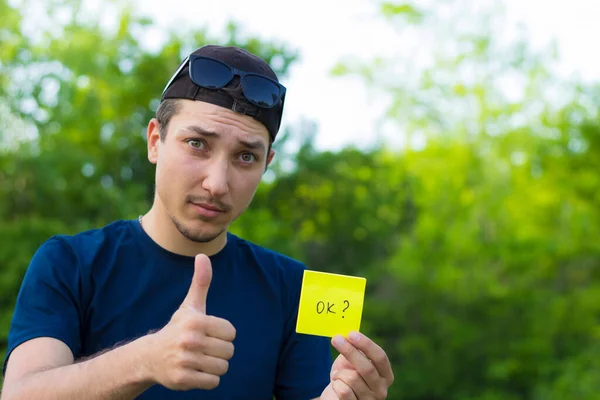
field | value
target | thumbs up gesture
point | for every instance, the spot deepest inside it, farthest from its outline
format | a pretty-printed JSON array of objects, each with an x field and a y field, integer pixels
[{"x": 193, "y": 349}]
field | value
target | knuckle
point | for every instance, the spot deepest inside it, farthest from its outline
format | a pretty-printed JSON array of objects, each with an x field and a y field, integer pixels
[
  {"x": 381, "y": 358},
  {"x": 370, "y": 369},
  {"x": 232, "y": 331},
  {"x": 212, "y": 381},
  {"x": 183, "y": 344},
  {"x": 350, "y": 352},
  {"x": 223, "y": 367},
  {"x": 203, "y": 344},
  {"x": 189, "y": 324},
  {"x": 180, "y": 345},
  {"x": 342, "y": 390},
  {"x": 179, "y": 379},
  {"x": 381, "y": 393},
  {"x": 229, "y": 351},
  {"x": 346, "y": 392},
  {"x": 347, "y": 375},
  {"x": 181, "y": 363},
  {"x": 188, "y": 340},
  {"x": 354, "y": 376}
]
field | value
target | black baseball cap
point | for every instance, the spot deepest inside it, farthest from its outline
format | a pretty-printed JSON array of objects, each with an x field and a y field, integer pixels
[{"x": 230, "y": 96}]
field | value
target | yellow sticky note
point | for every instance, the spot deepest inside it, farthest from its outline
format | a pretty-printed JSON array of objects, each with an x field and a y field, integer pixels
[{"x": 330, "y": 304}]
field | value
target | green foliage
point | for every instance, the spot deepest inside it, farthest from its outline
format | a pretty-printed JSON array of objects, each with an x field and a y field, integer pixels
[
  {"x": 480, "y": 239},
  {"x": 482, "y": 277}
]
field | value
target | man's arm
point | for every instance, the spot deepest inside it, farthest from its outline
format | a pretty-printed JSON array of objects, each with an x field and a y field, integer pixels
[
  {"x": 190, "y": 352},
  {"x": 43, "y": 368}
]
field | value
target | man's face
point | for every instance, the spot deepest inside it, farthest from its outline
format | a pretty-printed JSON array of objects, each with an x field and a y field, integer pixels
[{"x": 208, "y": 167}]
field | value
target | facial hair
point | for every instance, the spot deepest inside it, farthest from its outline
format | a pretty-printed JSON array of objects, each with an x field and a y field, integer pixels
[
  {"x": 198, "y": 237},
  {"x": 201, "y": 237}
]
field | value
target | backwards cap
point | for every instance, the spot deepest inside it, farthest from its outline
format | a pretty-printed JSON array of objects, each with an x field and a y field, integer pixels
[{"x": 231, "y": 95}]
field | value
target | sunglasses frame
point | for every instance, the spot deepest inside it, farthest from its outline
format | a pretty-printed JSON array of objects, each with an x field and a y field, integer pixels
[{"x": 234, "y": 71}]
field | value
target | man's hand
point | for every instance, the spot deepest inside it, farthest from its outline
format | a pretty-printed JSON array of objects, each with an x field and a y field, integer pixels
[
  {"x": 193, "y": 349},
  {"x": 361, "y": 371}
]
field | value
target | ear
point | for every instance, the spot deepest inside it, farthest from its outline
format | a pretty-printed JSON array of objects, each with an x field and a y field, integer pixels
[
  {"x": 270, "y": 158},
  {"x": 153, "y": 135}
]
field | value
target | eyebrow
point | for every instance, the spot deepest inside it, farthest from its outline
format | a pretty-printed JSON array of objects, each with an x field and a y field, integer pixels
[{"x": 250, "y": 144}]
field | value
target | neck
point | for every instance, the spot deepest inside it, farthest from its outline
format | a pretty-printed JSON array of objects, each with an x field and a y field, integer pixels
[{"x": 159, "y": 226}]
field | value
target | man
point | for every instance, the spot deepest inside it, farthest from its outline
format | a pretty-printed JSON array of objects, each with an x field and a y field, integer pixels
[{"x": 173, "y": 306}]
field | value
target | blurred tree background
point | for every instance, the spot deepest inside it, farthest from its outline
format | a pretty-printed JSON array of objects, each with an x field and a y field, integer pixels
[{"x": 480, "y": 237}]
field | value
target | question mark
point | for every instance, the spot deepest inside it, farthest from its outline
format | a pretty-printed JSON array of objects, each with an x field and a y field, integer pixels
[{"x": 347, "y": 305}]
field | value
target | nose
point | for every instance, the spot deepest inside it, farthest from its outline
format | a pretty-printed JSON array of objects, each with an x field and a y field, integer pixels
[{"x": 216, "y": 178}]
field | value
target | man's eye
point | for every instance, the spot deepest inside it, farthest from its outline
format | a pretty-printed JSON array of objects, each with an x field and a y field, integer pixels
[
  {"x": 197, "y": 144},
  {"x": 248, "y": 157}
]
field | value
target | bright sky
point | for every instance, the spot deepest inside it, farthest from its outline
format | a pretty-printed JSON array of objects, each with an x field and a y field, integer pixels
[
  {"x": 327, "y": 31},
  {"x": 323, "y": 32}
]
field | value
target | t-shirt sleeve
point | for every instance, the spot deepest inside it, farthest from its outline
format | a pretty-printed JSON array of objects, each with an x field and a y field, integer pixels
[
  {"x": 305, "y": 360},
  {"x": 48, "y": 302}
]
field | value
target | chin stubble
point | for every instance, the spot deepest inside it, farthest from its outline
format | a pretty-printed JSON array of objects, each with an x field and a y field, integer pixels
[{"x": 193, "y": 236}]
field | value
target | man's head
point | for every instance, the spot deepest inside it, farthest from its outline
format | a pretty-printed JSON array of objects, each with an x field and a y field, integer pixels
[
  {"x": 211, "y": 146},
  {"x": 233, "y": 78}
]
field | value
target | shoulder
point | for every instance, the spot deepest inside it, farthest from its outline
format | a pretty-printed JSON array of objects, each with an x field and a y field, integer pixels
[
  {"x": 98, "y": 237},
  {"x": 84, "y": 245}
]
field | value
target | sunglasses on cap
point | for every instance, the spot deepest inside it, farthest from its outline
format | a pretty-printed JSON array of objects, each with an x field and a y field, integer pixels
[{"x": 209, "y": 73}]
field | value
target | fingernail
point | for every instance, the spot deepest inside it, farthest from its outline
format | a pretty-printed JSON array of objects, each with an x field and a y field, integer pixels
[
  {"x": 338, "y": 340},
  {"x": 354, "y": 337},
  {"x": 334, "y": 374}
]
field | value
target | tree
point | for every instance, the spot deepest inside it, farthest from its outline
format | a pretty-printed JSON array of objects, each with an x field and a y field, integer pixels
[{"x": 491, "y": 292}]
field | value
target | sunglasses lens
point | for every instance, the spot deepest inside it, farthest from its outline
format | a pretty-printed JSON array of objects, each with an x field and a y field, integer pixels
[
  {"x": 210, "y": 74},
  {"x": 261, "y": 91}
]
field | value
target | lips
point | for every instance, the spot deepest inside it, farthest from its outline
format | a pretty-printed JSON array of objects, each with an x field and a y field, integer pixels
[
  {"x": 207, "y": 210},
  {"x": 208, "y": 207}
]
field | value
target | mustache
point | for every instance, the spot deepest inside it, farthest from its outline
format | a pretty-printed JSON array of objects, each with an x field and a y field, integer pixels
[{"x": 210, "y": 201}]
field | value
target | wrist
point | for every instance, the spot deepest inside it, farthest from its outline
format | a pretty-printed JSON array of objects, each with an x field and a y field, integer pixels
[{"x": 144, "y": 349}]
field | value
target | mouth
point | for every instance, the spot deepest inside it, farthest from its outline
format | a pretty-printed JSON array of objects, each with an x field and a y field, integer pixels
[{"x": 207, "y": 210}]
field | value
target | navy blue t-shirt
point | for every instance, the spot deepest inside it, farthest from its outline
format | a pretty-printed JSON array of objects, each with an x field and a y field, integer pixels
[{"x": 103, "y": 287}]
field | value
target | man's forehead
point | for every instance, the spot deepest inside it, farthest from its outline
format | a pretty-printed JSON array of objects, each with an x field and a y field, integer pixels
[
  {"x": 221, "y": 131},
  {"x": 219, "y": 119}
]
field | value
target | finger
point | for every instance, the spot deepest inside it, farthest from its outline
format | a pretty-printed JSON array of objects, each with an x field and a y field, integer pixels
[
  {"x": 219, "y": 328},
  {"x": 198, "y": 291},
  {"x": 192, "y": 379},
  {"x": 343, "y": 391},
  {"x": 359, "y": 361},
  {"x": 341, "y": 363},
  {"x": 219, "y": 348},
  {"x": 353, "y": 379},
  {"x": 201, "y": 344},
  {"x": 207, "y": 364},
  {"x": 374, "y": 353}
]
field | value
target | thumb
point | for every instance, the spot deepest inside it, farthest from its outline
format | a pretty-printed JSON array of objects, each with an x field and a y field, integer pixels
[{"x": 196, "y": 296}]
